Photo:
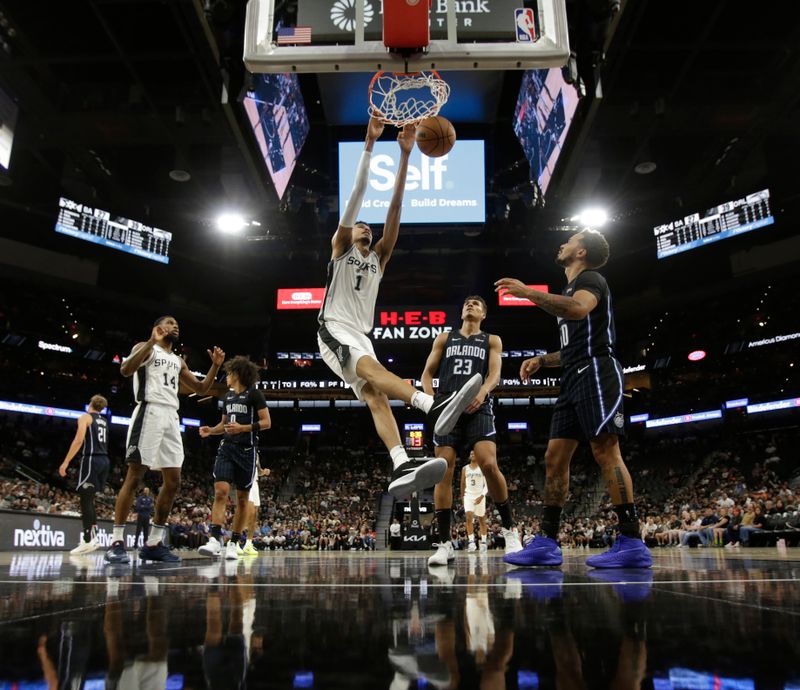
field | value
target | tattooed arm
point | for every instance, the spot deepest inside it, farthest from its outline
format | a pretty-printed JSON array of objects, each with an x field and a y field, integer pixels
[
  {"x": 572, "y": 308},
  {"x": 532, "y": 365}
]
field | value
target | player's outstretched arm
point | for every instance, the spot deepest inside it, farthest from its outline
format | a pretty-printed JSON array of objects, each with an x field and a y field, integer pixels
[
  {"x": 83, "y": 424},
  {"x": 190, "y": 381},
  {"x": 432, "y": 363},
  {"x": 532, "y": 365},
  {"x": 572, "y": 308},
  {"x": 391, "y": 227},
  {"x": 343, "y": 237},
  {"x": 216, "y": 430}
]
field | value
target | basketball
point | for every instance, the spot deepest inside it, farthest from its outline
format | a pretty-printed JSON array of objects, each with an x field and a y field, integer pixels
[{"x": 435, "y": 136}]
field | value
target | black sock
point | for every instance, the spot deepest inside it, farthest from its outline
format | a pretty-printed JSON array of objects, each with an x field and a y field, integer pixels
[
  {"x": 216, "y": 532},
  {"x": 551, "y": 521},
  {"x": 504, "y": 509},
  {"x": 235, "y": 536},
  {"x": 628, "y": 520},
  {"x": 87, "y": 512},
  {"x": 443, "y": 523}
]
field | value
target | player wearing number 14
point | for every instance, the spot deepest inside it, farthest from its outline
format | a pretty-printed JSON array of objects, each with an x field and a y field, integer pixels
[{"x": 154, "y": 437}]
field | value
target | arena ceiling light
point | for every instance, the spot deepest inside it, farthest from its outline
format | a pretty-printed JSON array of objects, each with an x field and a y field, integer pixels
[
  {"x": 231, "y": 223},
  {"x": 696, "y": 355},
  {"x": 591, "y": 218}
]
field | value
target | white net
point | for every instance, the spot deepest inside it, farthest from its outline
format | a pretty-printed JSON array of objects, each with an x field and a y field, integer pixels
[{"x": 400, "y": 99}]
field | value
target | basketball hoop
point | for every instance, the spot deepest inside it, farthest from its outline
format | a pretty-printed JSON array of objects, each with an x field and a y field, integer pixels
[{"x": 400, "y": 99}]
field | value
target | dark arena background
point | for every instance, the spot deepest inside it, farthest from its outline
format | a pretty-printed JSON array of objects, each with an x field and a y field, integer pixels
[{"x": 147, "y": 169}]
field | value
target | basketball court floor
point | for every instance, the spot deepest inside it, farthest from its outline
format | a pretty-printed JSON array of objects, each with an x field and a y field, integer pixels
[{"x": 699, "y": 619}]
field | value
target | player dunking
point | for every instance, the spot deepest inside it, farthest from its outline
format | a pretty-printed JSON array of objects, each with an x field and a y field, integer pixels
[
  {"x": 91, "y": 439},
  {"x": 458, "y": 356},
  {"x": 345, "y": 322},
  {"x": 245, "y": 414},
  {"x": 590, "y": 403},
  {"x": 473, "y": 498},
  {"x": 154, "y": 436}
]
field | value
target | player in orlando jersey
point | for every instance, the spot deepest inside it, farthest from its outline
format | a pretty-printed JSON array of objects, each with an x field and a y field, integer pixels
[
  {"x": 589, "y": 406},
  {"x": 345, "y": 323},
  {"x": 91, "y": 439},
  {"x": 458, "y": 356},
  {"x": 154, "y": 435},
  {"x": 244, "y": 414}
]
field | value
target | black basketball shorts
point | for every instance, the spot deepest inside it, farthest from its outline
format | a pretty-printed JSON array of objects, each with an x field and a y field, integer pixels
[
  {"x": 93, "y": 472},
  {"x": 235, "y": 464},
  {"x": 590, "y": 402},
  {"x": 470, "y": 428}
]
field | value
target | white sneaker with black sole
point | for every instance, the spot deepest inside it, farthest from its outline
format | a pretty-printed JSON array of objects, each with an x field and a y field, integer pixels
[
  {"x": 416, "y": 475},
  {"x": 446, "y": 409},
  {"x": 445, "y": 553}
]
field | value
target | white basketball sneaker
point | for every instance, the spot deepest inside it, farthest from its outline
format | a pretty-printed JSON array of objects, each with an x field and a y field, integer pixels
[
  {"x": 211, "y": 548},
  {"x": 511, "y": 537},
  {"x": 444, "y": 554},
  {"x": 471, "y": 548},
  {"x": 484, "y": 547},
  {"x": 85, "y": 547},
  {"x": 232, "y": 551}
]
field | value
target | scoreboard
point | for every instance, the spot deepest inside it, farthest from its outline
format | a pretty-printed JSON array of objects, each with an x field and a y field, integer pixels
[
  {"x": 101, "y": 227},
  {"x": 718, "y": 223}
]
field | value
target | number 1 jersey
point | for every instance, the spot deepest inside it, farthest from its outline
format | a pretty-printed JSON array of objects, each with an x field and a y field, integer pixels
[
  {"x": 352, "y": 290},
  {"x": 158, "y": 378}
]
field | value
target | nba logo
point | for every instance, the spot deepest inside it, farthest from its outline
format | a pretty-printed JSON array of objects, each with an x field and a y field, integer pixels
[{"x": 526, "y": 29}]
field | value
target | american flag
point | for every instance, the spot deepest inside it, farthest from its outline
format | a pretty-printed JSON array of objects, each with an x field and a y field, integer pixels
[{"x": 294, "y": 34}]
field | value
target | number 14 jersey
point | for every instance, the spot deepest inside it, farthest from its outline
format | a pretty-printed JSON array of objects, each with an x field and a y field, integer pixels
[
  {"x": 158, "y": 378},
  {"x": 464, "y": 356}
]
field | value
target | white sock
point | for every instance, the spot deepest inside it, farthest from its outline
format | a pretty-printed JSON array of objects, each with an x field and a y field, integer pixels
[
  {"x": 398, "y": 455},
  {"x": 248, "y": 542},
  {"x": 118, "y": 534},
  {"x": 156, "y": 534},
  {"x": 483, "y": 538},
  {"x": 422, "y": 401}
]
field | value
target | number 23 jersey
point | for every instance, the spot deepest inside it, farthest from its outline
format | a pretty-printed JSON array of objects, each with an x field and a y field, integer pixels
[
  {"x": 158, "y": 378},
  {"x": 463, "y": 357}
]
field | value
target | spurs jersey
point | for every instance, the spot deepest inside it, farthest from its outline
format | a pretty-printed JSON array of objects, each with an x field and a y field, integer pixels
[
  {"x": 595, "y": 334},
  {"x": 352, "y": 289},
  {"x": 474, "y": 482},
  {"x": 464, "y": 356},
  {"x": 158, "y": 379}
]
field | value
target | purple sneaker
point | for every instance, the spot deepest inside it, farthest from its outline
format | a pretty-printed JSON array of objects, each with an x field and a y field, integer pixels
[
  {"x": 540, "y": 551},
  {"x": 627, "y": 552}
]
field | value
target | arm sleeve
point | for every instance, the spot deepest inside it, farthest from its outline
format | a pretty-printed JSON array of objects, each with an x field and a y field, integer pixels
[
  {"x": 593, "y": 282},
  {"x": 257, "y": 399},
  {"x": 350, "y": 213}
]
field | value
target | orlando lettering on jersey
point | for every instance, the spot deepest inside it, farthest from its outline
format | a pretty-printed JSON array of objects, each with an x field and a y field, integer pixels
[{"x": 477, "y": 351}]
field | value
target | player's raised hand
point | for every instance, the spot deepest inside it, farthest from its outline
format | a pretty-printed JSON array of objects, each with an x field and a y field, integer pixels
[
  {"x": 374, "y": 129},
  {"x": 511, "y": 286},
  {"x": 217, "y": 356},
  {"x": 528, "y": 367},
  {"x": 204, "y": 431},
  {"x": 406, "y": 138},
  {"x": 157, "y": 333}
]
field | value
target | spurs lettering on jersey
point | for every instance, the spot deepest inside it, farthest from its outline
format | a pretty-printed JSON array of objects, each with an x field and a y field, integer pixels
[
  {"x": 158, "y": 379},
  {"x": 352, "y": 290}
]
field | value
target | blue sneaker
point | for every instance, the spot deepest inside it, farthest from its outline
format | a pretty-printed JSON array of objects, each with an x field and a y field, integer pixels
[
  {"x": 117, "y": 554},
  {"x": 159, "y": 553},
  {"x": 631, "y": 585},
  {"x": 627, "y": 552},
  {"x": 539, "y": 584},
  {"x": 540, "y": 551}
]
